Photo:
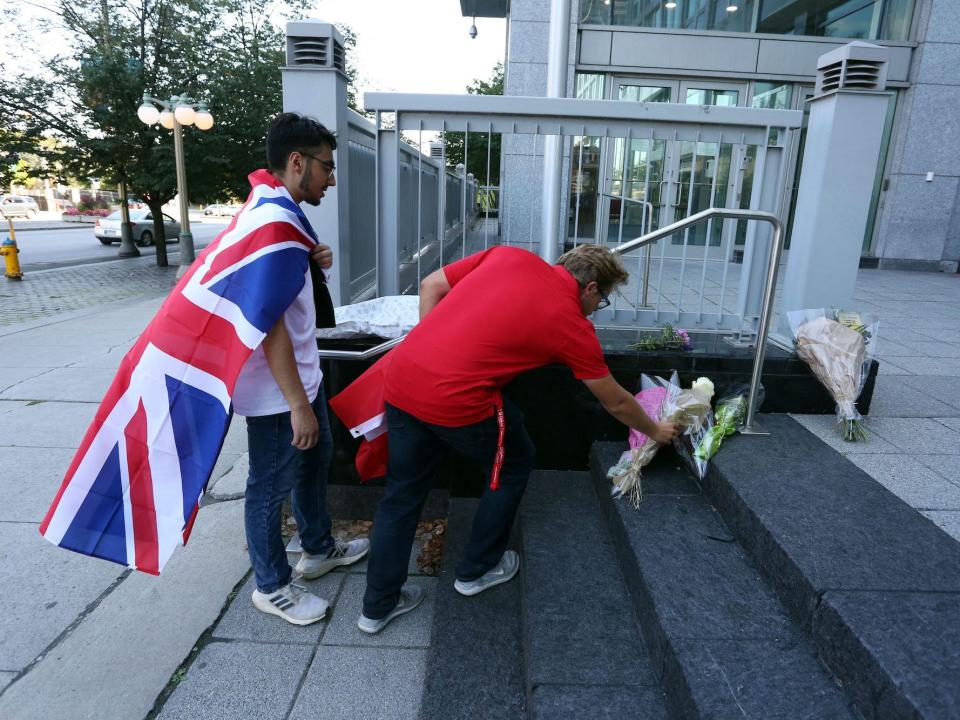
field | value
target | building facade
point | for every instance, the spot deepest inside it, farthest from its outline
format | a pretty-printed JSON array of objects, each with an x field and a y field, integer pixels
[{"x": 754, "y": 53}]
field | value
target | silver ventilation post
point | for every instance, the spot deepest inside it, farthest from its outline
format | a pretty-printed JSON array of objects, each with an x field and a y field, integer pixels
[
  {"x": 315, "y": 84},
  {"x": 840, "y": 164}
]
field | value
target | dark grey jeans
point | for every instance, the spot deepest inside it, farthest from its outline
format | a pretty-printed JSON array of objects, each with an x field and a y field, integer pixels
[{"x": 416, "y": 451}]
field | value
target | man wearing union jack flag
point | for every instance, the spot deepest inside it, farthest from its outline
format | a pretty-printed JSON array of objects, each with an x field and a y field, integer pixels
[
  {"x": 237, "y": 333},
  {"x": 280, "y": 392}
]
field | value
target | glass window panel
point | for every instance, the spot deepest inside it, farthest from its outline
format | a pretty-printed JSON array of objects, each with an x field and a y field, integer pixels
[
  {"x": 865, "y": 19},
  {"x": 595, "y": 12},
  {"x": 896, "y": 20},
  {"x": 704, "y": 174},
  {"x": 644, "y": 93},
  {"x": 590, "y": 86},
  {"x": 584, "y": 187},
  {"x": 850, "y": 20},
  {"x": 869, "y": 19},
  {"x": 772, "y": 96},
  {"x": 725, "y": 15},
  {"x": 636, "y": 192},
  {"x": 878, "y": 178},
  {"x": 723, "y": 98}
]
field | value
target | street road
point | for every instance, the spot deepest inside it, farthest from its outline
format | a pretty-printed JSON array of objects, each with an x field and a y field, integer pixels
[{"x": 42, "y": 249}]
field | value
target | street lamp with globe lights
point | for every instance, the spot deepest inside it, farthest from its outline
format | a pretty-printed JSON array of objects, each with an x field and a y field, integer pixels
[{"x": 173, "y": 114}]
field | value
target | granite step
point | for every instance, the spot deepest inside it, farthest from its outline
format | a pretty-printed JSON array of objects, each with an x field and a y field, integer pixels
[
  {"x": 584, "y": 653},
  {"x": 475, "y": 661},
  {"x": 720, "y": 642},
  {"x": 873, "y": 582}
]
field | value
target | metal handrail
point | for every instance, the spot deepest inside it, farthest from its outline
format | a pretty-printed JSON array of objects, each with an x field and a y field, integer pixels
[
  {"x": 360, "y": 354},
  {"x": 768, "y": 289}
]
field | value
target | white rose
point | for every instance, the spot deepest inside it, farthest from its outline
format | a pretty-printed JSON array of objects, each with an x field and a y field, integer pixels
[{"x": 703, "y": 386}]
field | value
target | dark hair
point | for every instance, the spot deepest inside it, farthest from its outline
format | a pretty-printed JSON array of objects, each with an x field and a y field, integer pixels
[{"x": 290, "y": 132}]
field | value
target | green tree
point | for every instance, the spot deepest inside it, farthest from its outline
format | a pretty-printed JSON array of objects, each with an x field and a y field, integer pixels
[
  {"x": 349, "y": 44},
  {"x": 228, "y": 52},
  {"x": 478, "y": 143}
]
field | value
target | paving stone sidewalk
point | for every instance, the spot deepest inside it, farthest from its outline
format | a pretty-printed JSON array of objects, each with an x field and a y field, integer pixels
[
  {"x": 913, "y": 448},
  {"x": 46, "y": 295}
]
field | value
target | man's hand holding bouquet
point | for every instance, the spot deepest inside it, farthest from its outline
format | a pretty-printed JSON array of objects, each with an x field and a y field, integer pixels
[{"x": 666, "y": 402}]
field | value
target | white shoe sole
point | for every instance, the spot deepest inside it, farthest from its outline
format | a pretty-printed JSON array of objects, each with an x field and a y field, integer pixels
[
  {"x": 270, "y": 609},
  {"x": 331, "y": 564},
  {"x": 395, "y": 613}
]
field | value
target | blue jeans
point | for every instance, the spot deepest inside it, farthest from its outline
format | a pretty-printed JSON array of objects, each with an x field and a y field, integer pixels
[
  {"x": 416, "y": 451},
  {"x": 277, "y": 468}
]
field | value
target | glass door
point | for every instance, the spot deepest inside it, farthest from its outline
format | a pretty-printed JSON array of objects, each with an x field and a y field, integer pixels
[
  {"x": 632, "y": 192},
  {"x": 646, "y": 184},
  {"x": 795, "y": 158},
  {"x": 705, "y": 174}
]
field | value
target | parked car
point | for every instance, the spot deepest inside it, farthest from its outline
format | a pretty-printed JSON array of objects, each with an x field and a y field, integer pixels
[
  {"x": 107, "y": 230},
  {"x": 18, "y": 206},
  {"x": 221, "y": 209}
]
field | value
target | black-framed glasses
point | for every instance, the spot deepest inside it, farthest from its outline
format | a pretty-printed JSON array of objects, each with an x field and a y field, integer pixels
[
  {"x": 604, "y": 300},
  {"x": 328, "y": 165}
]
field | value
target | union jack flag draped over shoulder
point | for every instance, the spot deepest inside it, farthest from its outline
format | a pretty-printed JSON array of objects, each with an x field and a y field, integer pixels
[{"x": 133, "y": 489}]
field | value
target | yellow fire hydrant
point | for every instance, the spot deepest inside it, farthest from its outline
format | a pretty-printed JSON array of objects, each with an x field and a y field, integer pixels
[{"x": 9, "y": 250}]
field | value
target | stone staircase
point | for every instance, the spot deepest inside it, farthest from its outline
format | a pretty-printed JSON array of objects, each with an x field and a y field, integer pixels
[{"x": 791, "y": 586}]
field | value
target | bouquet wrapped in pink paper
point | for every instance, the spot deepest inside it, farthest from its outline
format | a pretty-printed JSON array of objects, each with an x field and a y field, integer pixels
[
  {"x": 625, "y": 475},
  {"x": 664, "y": 401}
]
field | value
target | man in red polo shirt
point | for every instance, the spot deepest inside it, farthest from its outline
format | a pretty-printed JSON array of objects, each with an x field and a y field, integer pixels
[{"x": 484, "y": 320}]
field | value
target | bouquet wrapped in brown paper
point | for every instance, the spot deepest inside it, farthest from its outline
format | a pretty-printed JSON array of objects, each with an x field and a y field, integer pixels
[{"x": 838, "y": 347}]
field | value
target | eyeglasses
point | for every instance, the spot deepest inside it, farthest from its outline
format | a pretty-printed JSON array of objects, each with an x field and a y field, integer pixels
[
  {"x": 604, "y": 299},
  {"x": 328, "y": 165}
]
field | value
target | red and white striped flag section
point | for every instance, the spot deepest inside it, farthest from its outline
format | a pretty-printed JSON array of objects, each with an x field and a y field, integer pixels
[
  {"x": 360, "y": 408},
  {"x": 133, "y": 489}
]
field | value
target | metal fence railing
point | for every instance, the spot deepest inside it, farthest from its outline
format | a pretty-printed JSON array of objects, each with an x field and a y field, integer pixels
[
  {"x": 430, "y": 215},
  {"x": 630, "y": 169}
]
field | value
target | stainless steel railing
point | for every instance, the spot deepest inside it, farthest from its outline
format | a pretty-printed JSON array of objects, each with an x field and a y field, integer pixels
[
  {"x": 768, "y": 290},
  {"x": 360, "y": 354}
]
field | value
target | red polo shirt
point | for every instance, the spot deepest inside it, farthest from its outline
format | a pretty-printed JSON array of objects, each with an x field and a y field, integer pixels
[{"x": 508, "y": 311}]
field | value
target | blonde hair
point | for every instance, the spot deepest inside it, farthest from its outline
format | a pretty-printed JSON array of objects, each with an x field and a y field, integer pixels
[{"x": 595, "y": 263}]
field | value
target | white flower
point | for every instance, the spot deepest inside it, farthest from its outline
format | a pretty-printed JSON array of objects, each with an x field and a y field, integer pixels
[{"x": 703, "y": 386}]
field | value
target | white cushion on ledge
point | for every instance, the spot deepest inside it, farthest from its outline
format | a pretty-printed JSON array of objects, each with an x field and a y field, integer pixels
[{"x": 387, "y": 317}]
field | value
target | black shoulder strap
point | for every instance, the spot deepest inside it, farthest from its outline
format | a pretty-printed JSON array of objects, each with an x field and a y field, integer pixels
[{"x": 321, "y": 298}]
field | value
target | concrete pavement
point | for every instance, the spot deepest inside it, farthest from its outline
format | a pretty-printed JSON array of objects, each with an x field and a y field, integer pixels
[{"x": 86, "y": 638}]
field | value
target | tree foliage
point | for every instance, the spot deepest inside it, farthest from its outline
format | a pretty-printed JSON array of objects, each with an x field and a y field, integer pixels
[
  {"x": 225, "y": 52},
  {"x": 480, "y": 147}
]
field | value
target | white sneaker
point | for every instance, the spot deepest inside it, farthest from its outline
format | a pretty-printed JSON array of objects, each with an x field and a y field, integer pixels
[
  {"x": 410, "y": 597},
  {"x": 311, "y": 567},
  {"x": 502, "y": 572},
  {"x": 293, "y": 603}
]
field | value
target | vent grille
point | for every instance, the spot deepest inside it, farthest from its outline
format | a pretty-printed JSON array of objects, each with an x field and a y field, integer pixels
[
  {"x": 863, "y": 74},
  {"x": 339, "y": 57},
  {"x": 436, "y": 149},
  {"x": 316, "y": 51},
  {"x": 856, "y": 66},
  {"x": 310, "y": 51},
  {"x": 831, "y": 77}
]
